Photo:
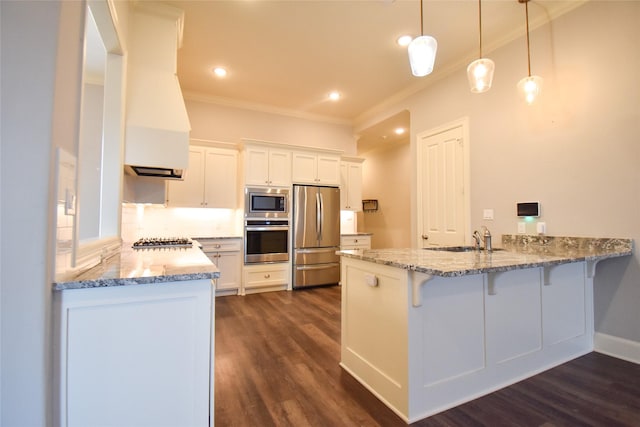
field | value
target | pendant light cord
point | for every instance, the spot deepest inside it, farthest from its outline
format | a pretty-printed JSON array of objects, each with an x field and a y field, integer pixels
[
  {"x": 421, "y": 19},
  {"x": 526, "y": 11},
  {"x": 480, "y": 24}
]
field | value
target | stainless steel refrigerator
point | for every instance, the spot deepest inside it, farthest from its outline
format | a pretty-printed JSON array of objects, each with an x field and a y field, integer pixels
[{"x": 316, "y": 236}]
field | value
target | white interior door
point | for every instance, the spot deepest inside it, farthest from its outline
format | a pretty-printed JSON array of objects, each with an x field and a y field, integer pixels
[{"x": 442, "y": 177}]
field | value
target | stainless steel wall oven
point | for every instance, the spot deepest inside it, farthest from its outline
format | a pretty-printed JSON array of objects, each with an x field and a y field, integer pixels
[{"x": 266, "y": 240}]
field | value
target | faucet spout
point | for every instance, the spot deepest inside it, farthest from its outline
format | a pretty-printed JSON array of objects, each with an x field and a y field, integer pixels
[{"x": 477, "y": 238}]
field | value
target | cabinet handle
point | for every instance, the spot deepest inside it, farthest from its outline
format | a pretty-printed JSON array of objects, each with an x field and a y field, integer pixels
[
  {"x": 425, "y": 237},
  {"x": 355, "y": 241},
  {"x": 217, "y": 246},
  {"x": 266, "y": 276}
]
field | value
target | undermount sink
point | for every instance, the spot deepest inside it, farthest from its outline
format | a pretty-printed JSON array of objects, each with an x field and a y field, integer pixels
[{"x": 458, "y": 248}]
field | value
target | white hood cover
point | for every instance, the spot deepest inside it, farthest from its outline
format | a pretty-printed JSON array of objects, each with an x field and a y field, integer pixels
[{"x": 157, "y": 125}]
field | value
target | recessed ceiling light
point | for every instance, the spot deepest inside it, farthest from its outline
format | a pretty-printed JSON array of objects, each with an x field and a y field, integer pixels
[
  {"x": 334, "y": 96},
  {"x": 220, "y": 72},
  {"x": 399, "y": 131},
  {"x": 404, "y": 40}
]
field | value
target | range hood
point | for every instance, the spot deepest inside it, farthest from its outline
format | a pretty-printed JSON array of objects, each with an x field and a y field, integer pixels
[{"x": 157, "y": 125}]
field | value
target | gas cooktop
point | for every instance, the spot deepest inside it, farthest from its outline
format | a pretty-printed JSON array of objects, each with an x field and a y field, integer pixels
[{"x": 163, "y": 242}]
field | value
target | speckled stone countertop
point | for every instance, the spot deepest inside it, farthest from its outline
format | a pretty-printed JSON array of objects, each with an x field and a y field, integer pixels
[
  {"x": 217, "y": 237},
  {"x": 356, "y": 234},
  {"x": 143, "y": 266},
  {"x": 517, "y": 252}
]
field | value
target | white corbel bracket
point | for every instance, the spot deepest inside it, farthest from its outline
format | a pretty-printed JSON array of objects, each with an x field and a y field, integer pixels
[{"x": 416, "y": 301}]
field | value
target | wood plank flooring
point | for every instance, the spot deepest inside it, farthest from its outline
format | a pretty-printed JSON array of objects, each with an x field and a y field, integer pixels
[{"x": 276, "y": 364}]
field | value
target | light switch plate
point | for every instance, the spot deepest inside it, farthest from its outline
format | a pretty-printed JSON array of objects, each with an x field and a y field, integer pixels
[
  {"x": 487, "y": 214},
  {"x": 541, "y": 227},
  {"x": 522, "y": 227}
]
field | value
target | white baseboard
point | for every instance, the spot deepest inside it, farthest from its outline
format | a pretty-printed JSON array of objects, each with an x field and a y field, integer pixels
[{"x": 617, "y": 347}]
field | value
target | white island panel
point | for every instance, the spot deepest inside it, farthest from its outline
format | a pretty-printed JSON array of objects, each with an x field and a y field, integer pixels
[
  {"x": 374, "y": 330},
  {"x": 136, "y": 355}
]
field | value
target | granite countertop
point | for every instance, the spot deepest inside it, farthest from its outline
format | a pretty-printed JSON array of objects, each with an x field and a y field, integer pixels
[
  {"x": 517, "y": 252},
  {"x": 356, "y": 234},
  {"x": 143, "y": 266}
]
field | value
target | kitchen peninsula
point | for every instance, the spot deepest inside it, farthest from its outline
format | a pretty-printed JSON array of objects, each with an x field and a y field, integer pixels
[
  {"x": 426, "y": 330},
  {"x": 135, "y": 337}
]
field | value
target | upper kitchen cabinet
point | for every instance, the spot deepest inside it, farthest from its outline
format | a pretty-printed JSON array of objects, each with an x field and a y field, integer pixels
[
  {"x": 351, "y": 184},
  {"x": 267, "y": 166},
  {"x": 209, "y": 181},
  {"x": 157, "y": 124},
  {"x": 317, "y": 168}
]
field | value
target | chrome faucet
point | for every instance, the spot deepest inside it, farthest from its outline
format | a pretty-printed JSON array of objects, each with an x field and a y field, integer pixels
[
  {"x": 477, "y": 238},
  {"x": 487, "y": 239}
]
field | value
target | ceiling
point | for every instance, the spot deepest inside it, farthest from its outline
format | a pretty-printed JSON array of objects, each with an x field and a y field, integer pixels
[{"x": 286, "y": 56}]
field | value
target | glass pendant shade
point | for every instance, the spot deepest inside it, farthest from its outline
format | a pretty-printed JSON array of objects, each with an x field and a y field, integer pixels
[
  {"x": 480, "y": 74},
  {"x": 530, "y": 87},
  {"x": 422, "y": 55}
]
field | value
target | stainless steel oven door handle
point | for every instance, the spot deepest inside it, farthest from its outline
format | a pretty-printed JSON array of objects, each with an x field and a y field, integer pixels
[{"x": 267, "y": 228}]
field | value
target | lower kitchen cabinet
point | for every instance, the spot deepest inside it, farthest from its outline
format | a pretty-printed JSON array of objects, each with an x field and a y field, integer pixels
[
  {"x": 355, "y": 242},
  {"x": 135, "y": 355},
  {"x": 266, "y": 277},
  {"x": 226, "y": 254}
]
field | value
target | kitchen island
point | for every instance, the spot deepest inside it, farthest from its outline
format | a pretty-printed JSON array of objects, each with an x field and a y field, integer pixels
[
  {"x": 426, "y": 330},
  {"x": 134, "y": 340}
]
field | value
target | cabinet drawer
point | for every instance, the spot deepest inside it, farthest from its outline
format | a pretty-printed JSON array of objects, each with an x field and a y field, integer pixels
[
  {"x": 221, "y": 245},
  {"x": 266, "y": 276},
  {"x": 355, "y": 242}
]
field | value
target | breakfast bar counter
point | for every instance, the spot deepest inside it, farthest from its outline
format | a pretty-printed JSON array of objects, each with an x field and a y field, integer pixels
[{"x": 425, "y": 330}]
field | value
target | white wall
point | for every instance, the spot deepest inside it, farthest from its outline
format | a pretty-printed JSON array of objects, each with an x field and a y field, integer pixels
[
  {"x": 29, "y": 54},
  {"x": 386, "y": 176},
  {"x": 576, "y": 150},
  {"x": 229, "y": 124}
]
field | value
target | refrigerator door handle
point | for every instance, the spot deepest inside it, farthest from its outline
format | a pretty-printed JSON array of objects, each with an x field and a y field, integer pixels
[
  {"x": 317, "y": 266},
  {"x": 318, "y": 216},
  {"x": 321, "y": 216}
]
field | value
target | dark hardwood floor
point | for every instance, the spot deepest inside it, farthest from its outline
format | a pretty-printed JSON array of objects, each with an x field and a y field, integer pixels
[{"x": 277, "y": 358}]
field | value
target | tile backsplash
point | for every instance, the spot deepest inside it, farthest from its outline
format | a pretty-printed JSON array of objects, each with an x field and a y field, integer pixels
[{"x": 141, "y": 220}]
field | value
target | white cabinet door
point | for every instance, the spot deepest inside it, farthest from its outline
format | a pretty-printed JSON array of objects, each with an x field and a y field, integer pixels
[
  {"x": 136, "y": 355},
  {"x": 328, "y": 170},
  {"x": 315, "y": 168},
  {"x": 513, "y": 314},
  {"x": 351, "y": 186},
  {"x": 229, "y": 264},
  {"x": 210, "y": 180},
  {"x": 279, "y": 168},
  {"x": 563, "y": 303},
  {"x": 305, "y": 168},
  {"x": 256, "y": 166},
  {"x": 220, "y": 184},
  {"x": 264, "y": 166},
  {"x": 190, "y": 191}
]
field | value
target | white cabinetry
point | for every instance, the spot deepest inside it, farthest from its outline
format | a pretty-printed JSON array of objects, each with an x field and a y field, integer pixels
[
  {"x": 266, "y": 277},
  {"x": 351, "y": 185},
  {"x": 267, "y": 166},
  {"x": 355, "y": 242},
  {"x": 136, "y": 355},
  {"x": 426, "y": 343},
  {"x": 210, "y": 181},
  {"x": 315, "y": 168},
  {"x": 226, "y": 254}
]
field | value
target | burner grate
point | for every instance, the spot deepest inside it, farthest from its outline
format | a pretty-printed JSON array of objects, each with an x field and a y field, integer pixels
[{"x": 162, "y": 242}]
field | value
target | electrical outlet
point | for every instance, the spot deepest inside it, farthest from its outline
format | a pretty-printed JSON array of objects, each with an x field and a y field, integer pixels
[
  {"x": 541, "y": 227},
  {"x": 487, "y": 214},
  {"x": 522, "y": 227}
]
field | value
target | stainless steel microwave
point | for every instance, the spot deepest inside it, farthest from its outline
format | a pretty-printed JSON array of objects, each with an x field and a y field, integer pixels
[{"x": 266, "y": 202}]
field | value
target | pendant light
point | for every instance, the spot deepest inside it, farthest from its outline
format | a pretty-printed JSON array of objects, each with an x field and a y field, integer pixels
[
  {"x": 530, "y": 86},
  {"x": 480, "y": 71},
  {"x": 422, "y": 52}
]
